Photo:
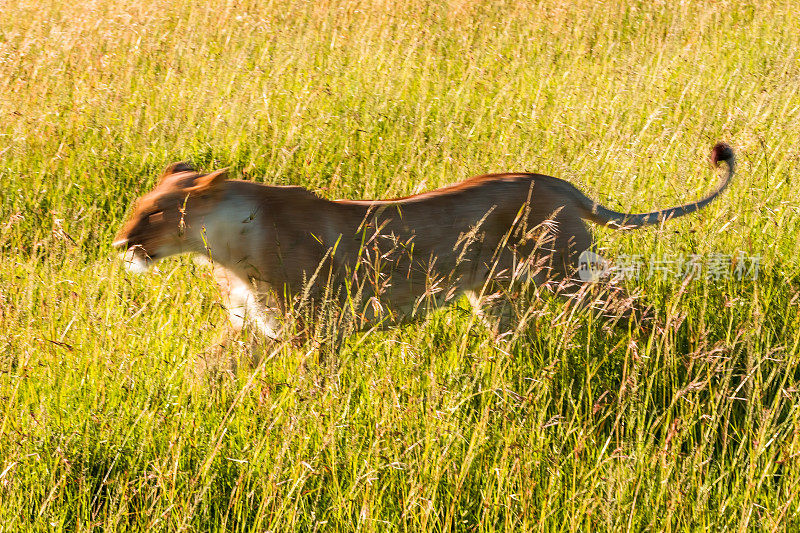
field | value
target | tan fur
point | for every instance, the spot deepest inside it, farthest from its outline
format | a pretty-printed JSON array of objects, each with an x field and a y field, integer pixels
[{"x": 383, "y": 261}]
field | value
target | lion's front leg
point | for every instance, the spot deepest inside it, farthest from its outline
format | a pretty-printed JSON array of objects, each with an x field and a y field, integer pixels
[
  {"x": 254, "y": 322},
  {"x": 247, "y": 307}
]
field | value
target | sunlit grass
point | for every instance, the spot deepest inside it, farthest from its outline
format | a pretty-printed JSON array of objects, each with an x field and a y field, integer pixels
[{"x": 569, "y": 424}]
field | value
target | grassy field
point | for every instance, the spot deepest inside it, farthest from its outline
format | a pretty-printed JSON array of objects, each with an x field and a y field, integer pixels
[{"x": 567, "y": 425}]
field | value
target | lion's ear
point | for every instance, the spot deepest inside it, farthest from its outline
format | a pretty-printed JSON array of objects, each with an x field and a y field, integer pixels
[
  {"x": 176, "y": 168},
  {"x": 209, "y": 182}
]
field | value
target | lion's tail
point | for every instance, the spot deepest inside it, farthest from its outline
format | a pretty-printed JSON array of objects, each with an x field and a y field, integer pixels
[{"x": 595, "y": 212}]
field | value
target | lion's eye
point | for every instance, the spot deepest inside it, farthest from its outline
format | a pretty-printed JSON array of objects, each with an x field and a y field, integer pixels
[{"x": 156, "y": 217}]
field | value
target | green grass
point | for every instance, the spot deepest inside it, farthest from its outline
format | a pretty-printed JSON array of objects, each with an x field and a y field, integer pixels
[{"x": 568, "y": 425}]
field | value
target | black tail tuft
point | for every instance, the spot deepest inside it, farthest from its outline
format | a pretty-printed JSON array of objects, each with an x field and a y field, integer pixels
[
  {"x": 177, "y": 168},
  {"x": 721, "y": 152}
]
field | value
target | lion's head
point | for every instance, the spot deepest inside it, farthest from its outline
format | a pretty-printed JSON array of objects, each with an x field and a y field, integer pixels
[{"x": 163, "y": 221}]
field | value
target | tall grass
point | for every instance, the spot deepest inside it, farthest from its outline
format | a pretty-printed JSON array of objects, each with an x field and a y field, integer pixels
[{"x": 569, "y": 424}]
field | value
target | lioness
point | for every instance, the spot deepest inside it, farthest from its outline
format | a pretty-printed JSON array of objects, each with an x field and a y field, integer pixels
[{"x": 383, "y": 261}]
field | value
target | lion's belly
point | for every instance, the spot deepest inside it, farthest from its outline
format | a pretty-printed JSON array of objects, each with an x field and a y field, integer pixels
[{"x": 396, "y": 281}]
